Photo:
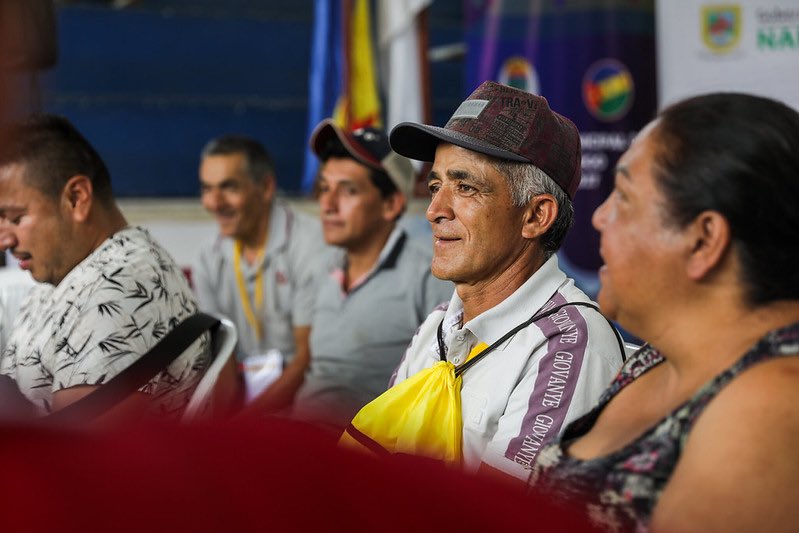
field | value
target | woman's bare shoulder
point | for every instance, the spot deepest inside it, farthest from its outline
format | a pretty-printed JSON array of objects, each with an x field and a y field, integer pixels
[{"x": 740, "y": 456}]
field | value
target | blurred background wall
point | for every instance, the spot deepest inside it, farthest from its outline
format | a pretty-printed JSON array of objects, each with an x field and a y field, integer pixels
[{"x": 150, "y": 81}]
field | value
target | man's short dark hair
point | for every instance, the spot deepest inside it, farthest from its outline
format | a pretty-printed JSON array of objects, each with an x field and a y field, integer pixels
[
  {"x": 52, "y": 151},
  {"x": 259, "y": 162}
]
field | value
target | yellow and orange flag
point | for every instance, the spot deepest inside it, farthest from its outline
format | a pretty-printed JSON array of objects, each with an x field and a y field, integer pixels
[{"x": 359, "y": 104}]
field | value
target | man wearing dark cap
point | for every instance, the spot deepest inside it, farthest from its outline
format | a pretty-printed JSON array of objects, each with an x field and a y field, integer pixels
[
  {"x": 380, "y": 287},
  {"x": 505, "y": 170}
]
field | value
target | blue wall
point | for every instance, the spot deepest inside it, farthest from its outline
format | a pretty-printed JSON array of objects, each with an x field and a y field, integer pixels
[
  {"x": 149, "y": 89},
  {"x": 148, "y": 86}
]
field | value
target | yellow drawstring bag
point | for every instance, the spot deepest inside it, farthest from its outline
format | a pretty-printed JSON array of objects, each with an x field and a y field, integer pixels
[{"x": 420, "y": 416}]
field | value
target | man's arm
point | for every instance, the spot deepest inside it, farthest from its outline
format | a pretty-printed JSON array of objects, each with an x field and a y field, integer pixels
[
  {"x": 280, "y": 394},
  {"x": 13, "y": 404},
  {"x": 128, "y": 411}
]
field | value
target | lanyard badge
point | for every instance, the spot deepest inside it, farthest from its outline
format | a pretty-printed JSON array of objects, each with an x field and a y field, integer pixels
[{"x": 252, "y": 311}]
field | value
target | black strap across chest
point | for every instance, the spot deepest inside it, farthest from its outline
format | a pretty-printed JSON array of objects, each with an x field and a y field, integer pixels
[
  {"x": 142, "y": 370},
  {"x": 442, "y": 349}
]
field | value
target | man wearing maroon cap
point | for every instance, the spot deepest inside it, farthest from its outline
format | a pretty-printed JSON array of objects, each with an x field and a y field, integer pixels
[
  {"x": 505, "y": 170},
  {"x": 379, "y": 288}
]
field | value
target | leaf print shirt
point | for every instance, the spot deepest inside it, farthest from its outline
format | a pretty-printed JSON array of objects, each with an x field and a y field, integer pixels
[{"x": 106, "y": 313}]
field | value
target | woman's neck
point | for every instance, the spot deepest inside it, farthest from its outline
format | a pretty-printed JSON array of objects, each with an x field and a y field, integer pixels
[{"x": 704, "y": 343}]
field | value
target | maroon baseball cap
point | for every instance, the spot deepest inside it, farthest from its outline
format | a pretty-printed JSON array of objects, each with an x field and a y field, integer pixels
[
  {"x": 369, "y": 146},
  {"x": 506, "y": 123}
]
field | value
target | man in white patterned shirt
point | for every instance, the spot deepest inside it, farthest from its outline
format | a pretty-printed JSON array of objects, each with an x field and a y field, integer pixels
[{"x": 108, "y": 293}]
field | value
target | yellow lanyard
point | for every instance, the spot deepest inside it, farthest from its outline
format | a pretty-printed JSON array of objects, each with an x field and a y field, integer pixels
[{"x": 257, "y": 327}]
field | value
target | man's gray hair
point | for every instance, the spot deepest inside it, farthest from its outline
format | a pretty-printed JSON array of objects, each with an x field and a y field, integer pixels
[
  {"x": 526, "y": 181},
  {"x": 259, "y": 162}
]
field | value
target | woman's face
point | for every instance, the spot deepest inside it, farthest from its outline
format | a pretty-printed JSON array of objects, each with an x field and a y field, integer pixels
[{"x": 640, "y": 250}]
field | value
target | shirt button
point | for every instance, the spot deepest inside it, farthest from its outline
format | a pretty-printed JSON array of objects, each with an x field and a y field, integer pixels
[{"x": 456, "y": 360}]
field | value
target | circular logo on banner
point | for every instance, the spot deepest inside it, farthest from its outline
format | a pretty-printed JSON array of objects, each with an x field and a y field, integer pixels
[
  {"x": 608, "y": 90},
  {"x": 519, "y": 73}
]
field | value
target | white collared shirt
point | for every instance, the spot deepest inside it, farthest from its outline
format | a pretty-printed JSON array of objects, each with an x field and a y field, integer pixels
[{"x": 525, "y": 392}]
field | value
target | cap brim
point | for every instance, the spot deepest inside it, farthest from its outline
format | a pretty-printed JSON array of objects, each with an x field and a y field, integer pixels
[
  {"x": 419, "y": 141},
  {"x": 398, "y": 168},
  {"x": 327, "y": 129}
]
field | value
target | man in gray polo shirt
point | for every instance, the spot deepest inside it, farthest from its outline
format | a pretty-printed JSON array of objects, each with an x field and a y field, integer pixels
[
  {"x": 379, "y": 288},
  {"x": 259, "y": 269}
]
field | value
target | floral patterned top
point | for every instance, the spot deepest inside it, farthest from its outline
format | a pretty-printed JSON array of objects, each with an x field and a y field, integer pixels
[{"x": 620, "y": 490}]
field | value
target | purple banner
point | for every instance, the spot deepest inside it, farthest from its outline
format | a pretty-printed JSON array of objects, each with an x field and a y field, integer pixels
[{"x": 595, "y": 63}]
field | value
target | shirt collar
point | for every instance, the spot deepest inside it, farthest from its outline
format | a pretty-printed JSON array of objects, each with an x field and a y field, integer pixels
[
  {"x": 280, "y": 225},
  {"x": 527, "y": 300},
  {"x": 388, "y": 255},
  {"x": 281, "y": 221},
  {"x": 386, "y": 259}
]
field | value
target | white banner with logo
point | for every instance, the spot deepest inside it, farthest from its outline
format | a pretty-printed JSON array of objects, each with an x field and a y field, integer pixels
[{"x": 746, "y": 46}]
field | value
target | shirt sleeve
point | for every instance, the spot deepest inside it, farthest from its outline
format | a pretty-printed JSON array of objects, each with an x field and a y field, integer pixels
[
  {"x": 121, "y": 317},
  {"x": 19, "y": 326},
  {"x": 203, "y": 282},
  {"x": 310, "y": 265},
  {"x": 565, "y": 377},
  {"x": 14, "y": 288}
]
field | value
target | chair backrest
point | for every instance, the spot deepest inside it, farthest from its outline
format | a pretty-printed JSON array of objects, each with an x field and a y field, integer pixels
[{"x": 223, "y": 343}]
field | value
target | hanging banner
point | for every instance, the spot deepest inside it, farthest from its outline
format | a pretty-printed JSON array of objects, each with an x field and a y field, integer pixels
[
  {"x": 359, "y": 105},
  {"x": 342, "y": 81},
  {"x": 750, "y": 46},
  {"x": 400, "y": 40},
  {"x": 595, "y": 64}
]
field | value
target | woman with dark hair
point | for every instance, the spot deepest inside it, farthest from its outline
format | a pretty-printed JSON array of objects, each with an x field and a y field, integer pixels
[{"x": 699, "y": 430}]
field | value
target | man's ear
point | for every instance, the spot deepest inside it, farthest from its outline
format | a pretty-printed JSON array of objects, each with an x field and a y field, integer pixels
[
  {"x": 539, "y": 215},
  {"x": 77, "y": 197},
  {"x": 709, "y": 240},
  {"x": 270, "y": 186},
  {"x": 393, "y": 206}
]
